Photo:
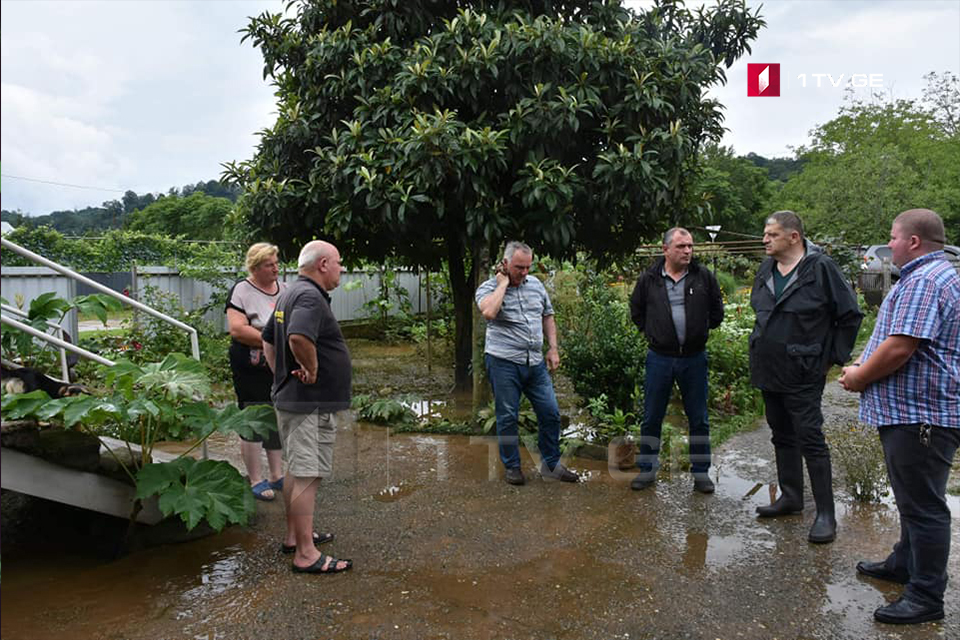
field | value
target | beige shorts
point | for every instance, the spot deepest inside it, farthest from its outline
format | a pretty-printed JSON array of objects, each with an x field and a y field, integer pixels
[{"x": 307, "y": 440}]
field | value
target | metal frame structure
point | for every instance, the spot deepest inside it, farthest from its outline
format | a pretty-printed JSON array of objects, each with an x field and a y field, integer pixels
[
  {"x": 64, "y": 366},
  {"x": 30, "y": 255}
]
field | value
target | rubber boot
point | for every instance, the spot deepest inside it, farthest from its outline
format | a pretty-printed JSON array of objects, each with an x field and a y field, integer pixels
[
  {"x": 824, "y": 527},
  {"x": 790, "y": 477}
]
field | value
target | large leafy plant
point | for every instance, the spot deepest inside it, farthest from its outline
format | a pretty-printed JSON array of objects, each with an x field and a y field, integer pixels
[{"x": 144, "y": 399}]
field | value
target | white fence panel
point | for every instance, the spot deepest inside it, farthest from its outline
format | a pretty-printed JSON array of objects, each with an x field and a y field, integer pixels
[
  {"x": 30, "y": 282},
  {"x": 19, "y": 286}
]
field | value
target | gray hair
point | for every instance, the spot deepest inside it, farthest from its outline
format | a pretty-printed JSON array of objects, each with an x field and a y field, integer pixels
[
  {"x": 311, "y": 252},
  {"x": 789, "y": 220},
  {"x": 668, "y": 236},
  {"x": 513, "y": 246}
]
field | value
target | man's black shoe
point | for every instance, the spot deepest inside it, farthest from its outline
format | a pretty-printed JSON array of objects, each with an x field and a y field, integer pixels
[
  {"x": 515, "y": 476},
  {"x": 643, "y": 480},
  {"x": 560, "y": 473},
  {"x": 703, "y": 484},
  {"x": 879, "y": 571},
  {"x": 905, "y": 611}
]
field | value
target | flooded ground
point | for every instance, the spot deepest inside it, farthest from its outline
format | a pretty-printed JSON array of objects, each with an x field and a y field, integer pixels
[{"x": 443, "y": 548}]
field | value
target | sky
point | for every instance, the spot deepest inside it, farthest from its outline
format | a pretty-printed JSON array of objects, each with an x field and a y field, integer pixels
[{"x": 151, "y": 94}]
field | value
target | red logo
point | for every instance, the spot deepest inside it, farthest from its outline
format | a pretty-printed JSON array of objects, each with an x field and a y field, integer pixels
[{"x": 763, "y": 80}]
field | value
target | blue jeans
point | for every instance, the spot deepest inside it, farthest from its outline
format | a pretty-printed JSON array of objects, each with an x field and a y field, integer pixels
[
  {"x": 690, "y": 373},
  {"x": 508, "y": 380}
]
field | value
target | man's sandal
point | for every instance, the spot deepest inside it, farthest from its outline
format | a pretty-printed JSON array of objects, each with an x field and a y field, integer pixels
[
  {"x": 260, "y": 491},
  {"x": 318, "y": 539},
  {"x": 333, "y": 565}
]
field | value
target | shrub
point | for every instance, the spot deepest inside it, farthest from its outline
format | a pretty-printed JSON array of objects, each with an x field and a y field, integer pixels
[
  {"x": 728, "y": 284},
  {"x": 611, "y": 425},
  {"x": 728, "y": 348},
  {"x": 602, "y": 351},
  {"x": 857, "y": 453},
  {"x": 149, "y": 339},
  {"x": 388, "y": 411}
]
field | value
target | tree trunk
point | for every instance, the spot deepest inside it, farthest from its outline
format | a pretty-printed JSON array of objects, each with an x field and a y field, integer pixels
[
  {"x": 481, "y": 388},
  {"x": 462, "y": 287}
]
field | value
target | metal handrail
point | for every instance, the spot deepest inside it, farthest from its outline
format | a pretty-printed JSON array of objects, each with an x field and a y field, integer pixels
[
  {"x": 64, "y": 365},
  {"x": 36, "y": 333},
  {"x": 30, "y": 255}
]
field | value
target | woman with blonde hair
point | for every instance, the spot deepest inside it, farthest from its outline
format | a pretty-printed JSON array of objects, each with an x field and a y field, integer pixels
[{"x": 249, "y": 305}]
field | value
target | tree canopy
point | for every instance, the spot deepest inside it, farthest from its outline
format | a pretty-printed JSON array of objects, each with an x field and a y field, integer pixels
[
  {"x": 422, "y": 130},
  {"x": 731, "y": 191},
  {"x": 196, "y": 217}
]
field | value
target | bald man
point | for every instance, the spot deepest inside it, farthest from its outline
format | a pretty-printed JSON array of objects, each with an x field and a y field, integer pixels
[
  {"x": 909, "y": 378},
  {"x": 311, "y": 367}
]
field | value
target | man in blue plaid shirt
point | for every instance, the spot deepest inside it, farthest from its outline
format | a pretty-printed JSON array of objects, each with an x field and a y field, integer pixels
[{"x": 909, "y": 376}]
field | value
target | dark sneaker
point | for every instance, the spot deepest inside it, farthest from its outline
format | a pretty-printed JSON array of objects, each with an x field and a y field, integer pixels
[
  {"x": 703, "y": 484},
  {"x": 515, "y": 476},
  {"x": 879, "y": 571},
  {"x": 905, "y": 611},
  {"x": 643, "y": 480},
  {"x": 560, "y": 473}
]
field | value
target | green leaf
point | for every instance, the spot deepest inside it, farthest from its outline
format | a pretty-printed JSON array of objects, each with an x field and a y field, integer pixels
[
  {"x": 23, "y": 405},
  {"x": 177, "y": 376},
  {"x": 97, "y": 304},
  {"x": 258, "y": 420},
  {"x": 154, "y": 478},
  {"x": 47, "y": 306},
  {"x": 194, "y": 490},
  {"x": 77, "y": 409}
]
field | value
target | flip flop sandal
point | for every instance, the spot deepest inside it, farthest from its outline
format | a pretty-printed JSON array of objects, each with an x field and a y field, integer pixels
[
  {"x": 260, "y": 488},
  {"x": 278, "y": 485},
  {"x": 317, "y": 567},
  {"x": 318, "y": 539}
]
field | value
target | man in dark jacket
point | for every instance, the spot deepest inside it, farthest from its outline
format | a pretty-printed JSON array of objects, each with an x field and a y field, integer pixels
[
  {"x": 676, "y": 303},
  {"x": 807, "y": 320}
]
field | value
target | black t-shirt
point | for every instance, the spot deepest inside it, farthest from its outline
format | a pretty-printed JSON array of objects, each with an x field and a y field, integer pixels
[{"x": 304, "y": 309}]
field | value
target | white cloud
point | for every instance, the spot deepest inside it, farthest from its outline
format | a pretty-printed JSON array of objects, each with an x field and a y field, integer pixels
[
  {"x": 127, "y": 95},
  {"x": 900, "y": 39}
]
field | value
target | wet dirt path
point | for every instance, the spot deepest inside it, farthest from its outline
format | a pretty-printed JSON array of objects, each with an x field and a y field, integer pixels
[{"x": 443, "y": 548}]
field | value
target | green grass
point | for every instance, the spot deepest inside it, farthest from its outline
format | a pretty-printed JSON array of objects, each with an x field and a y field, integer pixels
[
  {"x": 98, "y": 333},
  {"x": 125, "y": 314}
]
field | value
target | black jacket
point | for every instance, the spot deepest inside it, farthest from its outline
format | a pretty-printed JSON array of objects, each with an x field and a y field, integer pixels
[
  {"x": 812, "y": 326},
  {"x": 650, "y": 309}
]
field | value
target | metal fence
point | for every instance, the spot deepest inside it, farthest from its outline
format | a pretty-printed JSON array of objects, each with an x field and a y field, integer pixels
[{"x": 21, "y": 285}]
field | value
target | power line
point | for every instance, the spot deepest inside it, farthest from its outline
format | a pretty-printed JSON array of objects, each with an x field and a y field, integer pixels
[{"x": 62, "y": 184}]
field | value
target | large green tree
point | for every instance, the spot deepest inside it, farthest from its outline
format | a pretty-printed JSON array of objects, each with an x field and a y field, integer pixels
[
  {"x": 427, "y": 131},
  {"x": 731, "y": 191},
  {"x": 196, "y": 217},
  {"x": 878, "y": 158}
]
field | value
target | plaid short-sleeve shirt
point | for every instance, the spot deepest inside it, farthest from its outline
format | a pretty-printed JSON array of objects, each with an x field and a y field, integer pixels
[{"x": 924, "y": 304}]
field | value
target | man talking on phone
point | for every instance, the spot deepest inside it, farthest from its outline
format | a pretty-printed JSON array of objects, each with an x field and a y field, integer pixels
[{"x": 519, "y": 314}]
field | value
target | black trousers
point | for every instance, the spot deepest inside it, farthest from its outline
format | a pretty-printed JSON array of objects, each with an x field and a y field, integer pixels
[
  {"x": 918, "y": 469},
  {"x": 796, "y": 421}
]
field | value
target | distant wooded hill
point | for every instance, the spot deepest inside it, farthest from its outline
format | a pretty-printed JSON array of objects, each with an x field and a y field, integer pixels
[{"x": 115, "y": 214}]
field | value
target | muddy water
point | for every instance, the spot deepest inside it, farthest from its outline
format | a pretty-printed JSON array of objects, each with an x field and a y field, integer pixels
[{"x": 443, "y": 548}]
